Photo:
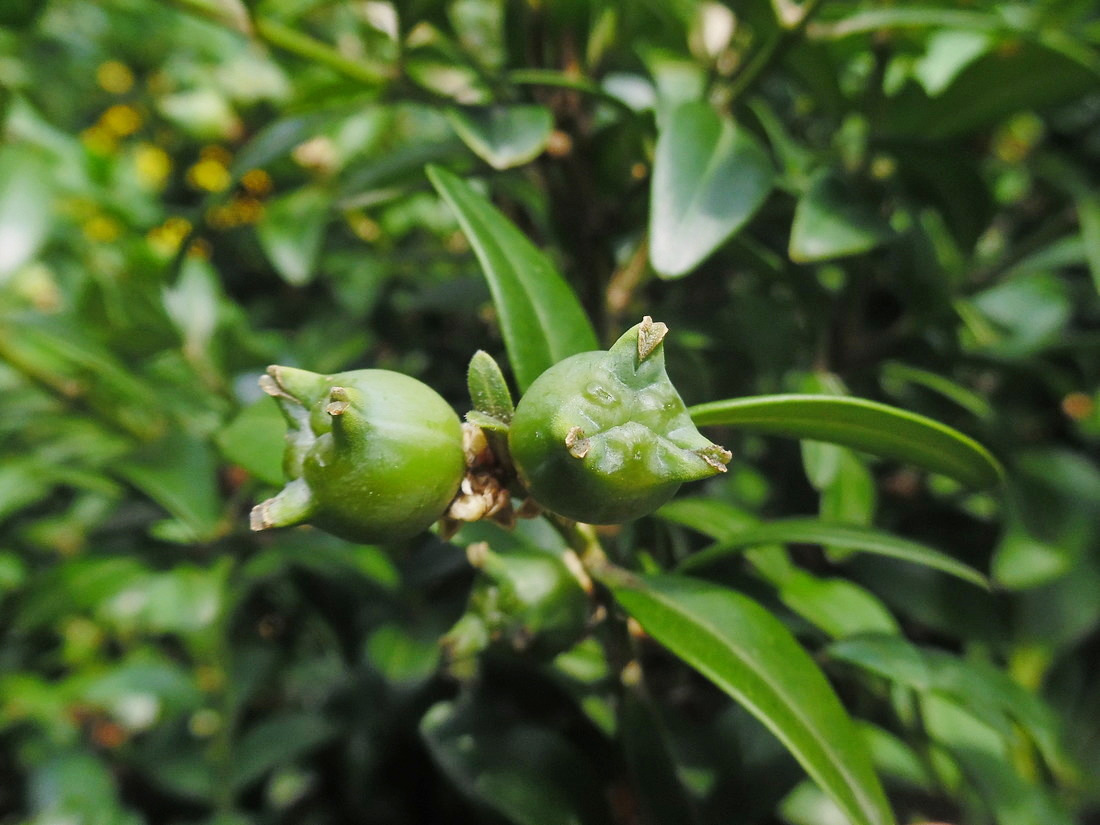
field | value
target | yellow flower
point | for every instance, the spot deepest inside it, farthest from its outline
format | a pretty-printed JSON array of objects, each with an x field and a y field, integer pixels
[
  {"x": 153, "y": 165},
  {"x": 101, "y": 229},
  {"x": 166, "y": 238},
  {"x": 114, "y": 77},
  {"x": 210, "y": 175},
  {"x": 257, "y": 182},
  {"x": 121, "y": 120}
]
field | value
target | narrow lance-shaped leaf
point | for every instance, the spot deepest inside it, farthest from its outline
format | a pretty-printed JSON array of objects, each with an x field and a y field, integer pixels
[
  {"x": 292, "y": 232},
  {"x": 540, "y": 317},
  {"x": 847, "y": 536},
  {"x": 488, "y": 389},
  {"x": 749, "y": 654},
  {"x": 863, "y": 425},
  {"x": 709, "y": 177}
]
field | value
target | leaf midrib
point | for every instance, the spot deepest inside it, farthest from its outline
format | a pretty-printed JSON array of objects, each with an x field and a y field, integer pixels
[{"x": 834, "y": 759}]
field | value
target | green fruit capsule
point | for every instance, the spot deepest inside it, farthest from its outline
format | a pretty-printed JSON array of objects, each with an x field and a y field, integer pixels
[
  {"x": 371, "y": 455},
  {"x": 603, "y": 437},
  {"x": 530, "y": 600}
]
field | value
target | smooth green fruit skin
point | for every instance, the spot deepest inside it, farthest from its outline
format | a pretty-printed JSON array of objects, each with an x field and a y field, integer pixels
[
  {"x": 626, "y": 474},
  {"x": 387, "y": 467}
]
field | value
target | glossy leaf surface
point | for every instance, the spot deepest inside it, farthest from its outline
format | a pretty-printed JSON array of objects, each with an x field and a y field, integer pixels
[
  {"x": 291, "y": 232},
  {"x": 863, "y": 425},
  {"x": 812, "y": 531},
  {"x": 541, "y": 320},
  {"x": 833, "y": 220},
  {"x": 751, "y": 656},
  {"x": 709, "y": 177}
]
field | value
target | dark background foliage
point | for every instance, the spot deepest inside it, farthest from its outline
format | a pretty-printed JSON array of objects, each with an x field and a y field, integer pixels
[{"x": 192, "y": 190}]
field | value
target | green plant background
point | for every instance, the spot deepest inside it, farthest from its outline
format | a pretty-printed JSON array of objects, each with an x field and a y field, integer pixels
[{"x": 874, "y": 228}]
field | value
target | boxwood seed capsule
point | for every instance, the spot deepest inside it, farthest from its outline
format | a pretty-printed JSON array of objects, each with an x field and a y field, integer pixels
[
  {"x": 371, "y": 455},
  {"x": 603, "y": 437},
  {"x": 529, "y": 599}
]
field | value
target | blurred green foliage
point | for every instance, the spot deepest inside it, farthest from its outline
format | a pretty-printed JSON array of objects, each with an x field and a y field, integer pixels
[{"x": 899, "y": 202}]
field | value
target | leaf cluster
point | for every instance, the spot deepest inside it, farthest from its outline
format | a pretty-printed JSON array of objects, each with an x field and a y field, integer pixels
[{"x": 874, "y": 233}]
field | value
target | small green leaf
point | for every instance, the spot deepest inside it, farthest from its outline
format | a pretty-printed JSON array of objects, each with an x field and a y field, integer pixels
[
  {"x": 25, "y": 210},
  {"x": 947, "y": 53},
  {"x": 179, "y": 473},
  {"x": 1052, "y": 509},
  {"x": 503, "y": 136},
  {"x": 246, "y": 441},
  {"x": 276, "y": 741},
  {"x": 487, "y": 422},
  {"x": 291, "y": 233},
  {"x": 833, "y": 220},
  {"x": 821, "y": 461},
  {"x": 540, "y": 317},
  {"x": 987, "y": 692},
  {"x": 22, "y": 483},
  {"x": 488, "y": 390},
  {"x": 812, "y": 531},
  {"x": 749, "y": 654},
  {"x": 403, "y": 656},
  {"x": 708, "y": 516},
  {"x": 990, "y": 88},
  {"x": 192, "y": 303},
  {"x": 865, "y": 21},
  {"x": 709, "y": 177},
  {"x": 895, "y": 374},
  {"x": 143, "y": 689},
  {"x": 836, "y": 606},
  {"x": 863, "y": 425},
  {"x": 1026, "y": 315},
  {"x": 851, "y": 497},
  {"x": 896, "y": 759}
]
